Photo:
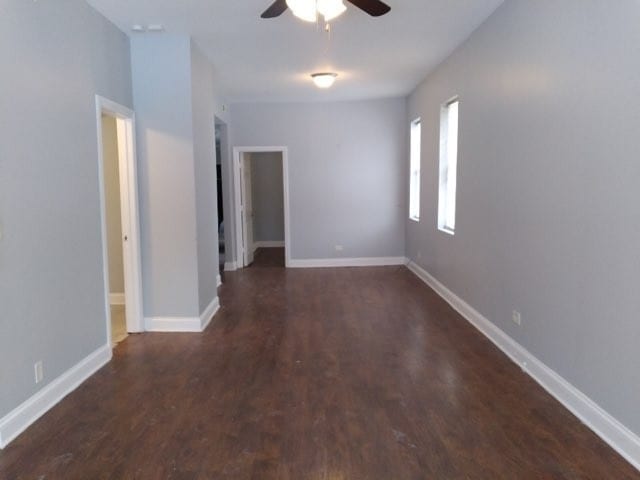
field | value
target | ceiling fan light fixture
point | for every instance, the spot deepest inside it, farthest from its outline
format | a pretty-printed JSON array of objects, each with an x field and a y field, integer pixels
[
  {"x": 324, "y": 80},
  {"x": 331, "y": 9},
  {"x": 304, "y": 9}
]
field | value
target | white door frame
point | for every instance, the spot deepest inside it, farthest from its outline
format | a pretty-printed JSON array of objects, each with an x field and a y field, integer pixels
[
  {"x": 237, "y": 158},
  {"x": 125, "y": 121}
]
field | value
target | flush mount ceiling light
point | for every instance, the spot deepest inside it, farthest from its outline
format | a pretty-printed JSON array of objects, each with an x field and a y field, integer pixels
[
  {"x": 308, "y": 10},
  {"x": 324, "y": 80}
]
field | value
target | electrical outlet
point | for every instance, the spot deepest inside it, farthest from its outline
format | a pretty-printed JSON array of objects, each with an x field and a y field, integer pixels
[
  {"x": 516, "y": 317},
  {"x": 339, "y": 248},
  {"x": 38, "y": 371}
]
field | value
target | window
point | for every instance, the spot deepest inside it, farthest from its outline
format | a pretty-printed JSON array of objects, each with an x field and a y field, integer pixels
[
  {"x": 448, "y": 166},
  {"x": 414, "y": 185}
]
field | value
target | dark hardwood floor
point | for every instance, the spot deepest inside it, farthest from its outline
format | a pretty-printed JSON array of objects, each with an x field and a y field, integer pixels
[
  {"x": 332, "y": 374},
  {"x": 268, "y": 257}
]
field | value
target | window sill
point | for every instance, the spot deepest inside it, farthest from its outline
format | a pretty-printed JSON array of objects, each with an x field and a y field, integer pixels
[
  {"x": 447, "y": 230},
  {"x": 415, "y": 219}
]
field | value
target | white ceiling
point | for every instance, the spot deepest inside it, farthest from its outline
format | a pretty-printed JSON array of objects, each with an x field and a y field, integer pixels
[{"x": 271, "y": 60}]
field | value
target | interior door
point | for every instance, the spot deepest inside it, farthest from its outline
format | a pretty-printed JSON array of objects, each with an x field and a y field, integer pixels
[{"x": 247, "y": 210}]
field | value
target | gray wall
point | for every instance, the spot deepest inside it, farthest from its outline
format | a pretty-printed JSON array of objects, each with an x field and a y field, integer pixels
[
  {"x": 58, "y": 56},
  {"x": 161, "y": 68},
  {"x": 268, "y": 196},
  {"x": 176, "y": 106},
  {"x": 112, "y": 203},
  {"x": 346, "y": 172},
  {"x": 548, "y": 210},
  {"x": 205, "y": 176}
]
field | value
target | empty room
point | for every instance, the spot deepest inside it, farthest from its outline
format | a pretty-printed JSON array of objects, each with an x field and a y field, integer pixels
[{"x": 320, "y": 239}]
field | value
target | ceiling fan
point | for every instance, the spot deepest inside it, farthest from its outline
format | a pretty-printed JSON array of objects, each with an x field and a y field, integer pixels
[{"x": 330, "y": 9}]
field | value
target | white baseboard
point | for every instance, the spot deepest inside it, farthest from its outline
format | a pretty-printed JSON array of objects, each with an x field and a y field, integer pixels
[
  {"x": 17, "y": 421},
  {"x": 116, "y": 299},
  {"x": 268, "y": 244},
  {"x": 347, "y": 262},
  {"x": 619, "y": 437},
  {"x": 218, "y": 281},
  {"x": 209, "y": 312},
  {"x": 183, "y": 324},
  {"x": 230, "y": 266},
  {"x": 173, "y": 324}
]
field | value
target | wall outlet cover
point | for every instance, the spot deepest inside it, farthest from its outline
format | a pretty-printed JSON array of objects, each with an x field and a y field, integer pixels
[
  {"x": 517, "y": 317},
  {"x": 38, "y": 370}
]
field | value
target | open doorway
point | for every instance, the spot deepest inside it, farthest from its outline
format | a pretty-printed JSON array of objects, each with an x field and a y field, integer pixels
[
  {"x": 119, "y": 215},
  {"x": 113, "y": 217},
  {"x": 221, "y": 145},
  {"x": 262, "y": 206}
]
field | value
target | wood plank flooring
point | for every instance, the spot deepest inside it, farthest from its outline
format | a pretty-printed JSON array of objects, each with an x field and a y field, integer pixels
[
  {"x": 328, "y": 374},
  {"x": 268, "y": 257}
]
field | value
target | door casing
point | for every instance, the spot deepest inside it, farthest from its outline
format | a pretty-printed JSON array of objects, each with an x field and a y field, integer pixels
[
  {"x": 241, "y": 248},
  {"x": 125, "y": 121}
]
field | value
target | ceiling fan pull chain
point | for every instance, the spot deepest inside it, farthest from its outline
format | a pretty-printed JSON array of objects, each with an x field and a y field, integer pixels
[{"x": 327, "y": 30}]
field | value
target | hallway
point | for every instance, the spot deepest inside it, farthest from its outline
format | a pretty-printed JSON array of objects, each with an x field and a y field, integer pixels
[{"x": 345, "y": 374}]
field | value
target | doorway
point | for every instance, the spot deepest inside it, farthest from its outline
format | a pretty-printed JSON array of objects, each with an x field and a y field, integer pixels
[
  {"x": 119, "y": 218},
  {"x": 262, "y": 206},
  {"x": 113, "y": 218},
  {"x": 221, "y": 147}
]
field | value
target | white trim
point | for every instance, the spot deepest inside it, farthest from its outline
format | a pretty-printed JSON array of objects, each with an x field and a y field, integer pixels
[
  {"x": 348, "y": 262},
  {"x": 268, "y": 244},
  {"x": 287, "y": 212},
  {"x": 237, "y": 156},
  {"x": 218, "y": 281},
  {"x": 18, "y": 420},
  {"x": 230, "y": 266},
  {"x": 116, "y": 299},
  {"x": 183, "y": 324},
  {"x": 209, "y": 312},
  {"x": 173, "y": 324},
  {"x": 619, "y": 437},
  {"x": 125, "y": 120}
]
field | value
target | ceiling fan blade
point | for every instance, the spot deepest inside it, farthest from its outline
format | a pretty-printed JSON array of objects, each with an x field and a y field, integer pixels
[
  {"x": 375, "y": 8},
  {"x": 276, "y": 9}
]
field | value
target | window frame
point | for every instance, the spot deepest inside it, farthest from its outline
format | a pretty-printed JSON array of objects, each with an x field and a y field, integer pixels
[
  {"x": 448, "y": 167},
  {"x": 415, "y": 168}
]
